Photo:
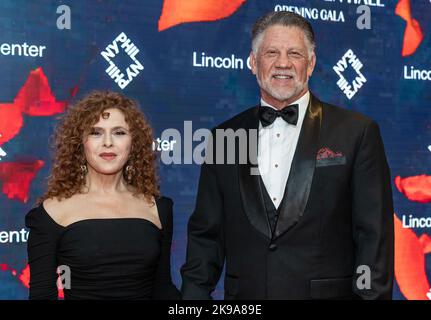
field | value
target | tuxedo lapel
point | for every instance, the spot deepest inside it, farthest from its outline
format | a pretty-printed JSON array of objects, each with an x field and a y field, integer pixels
[
  {"x": 301, "y": 173},
  {"x": 249, "y": 184}
]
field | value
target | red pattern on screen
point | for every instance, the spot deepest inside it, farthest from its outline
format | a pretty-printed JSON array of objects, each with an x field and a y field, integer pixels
[
  {"x": 35, "y": 98},
  {"x": 17, "y": 177},
  {"x": 178, "y": 11},
  {"x": 410, "y": 249},
  {"x": 416, "y": 188},
  {"x": 410, "y": 271},
  {"x": 24, "y": 276},
  {"x": 4, "y": 267},
  {"x": 413, "y": 34}
]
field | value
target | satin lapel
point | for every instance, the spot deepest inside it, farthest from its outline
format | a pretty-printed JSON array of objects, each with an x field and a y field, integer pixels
[
  {"x": 301, "y": 173},
  {"x": 249, "y": 184}
]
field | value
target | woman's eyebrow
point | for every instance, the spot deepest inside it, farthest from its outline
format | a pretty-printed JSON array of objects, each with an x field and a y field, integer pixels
[{"x": 114, "y": 128}]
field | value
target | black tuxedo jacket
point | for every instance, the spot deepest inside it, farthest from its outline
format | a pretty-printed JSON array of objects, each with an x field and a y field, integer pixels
[{"x": 335, "y": 218}]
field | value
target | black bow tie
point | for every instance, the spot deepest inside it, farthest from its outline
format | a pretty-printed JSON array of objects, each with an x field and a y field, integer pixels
[{"x": 268, "y": 115}]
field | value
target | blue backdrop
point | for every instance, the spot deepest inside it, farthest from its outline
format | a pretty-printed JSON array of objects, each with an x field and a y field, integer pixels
[{"x": 51, "y": 54}]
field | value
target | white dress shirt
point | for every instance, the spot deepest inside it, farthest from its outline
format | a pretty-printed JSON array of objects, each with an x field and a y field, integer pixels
[{"x": 276, "y": 148}]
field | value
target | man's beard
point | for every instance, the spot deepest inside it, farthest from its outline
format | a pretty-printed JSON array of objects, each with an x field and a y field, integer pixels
[{"x": 281, "y": 94}]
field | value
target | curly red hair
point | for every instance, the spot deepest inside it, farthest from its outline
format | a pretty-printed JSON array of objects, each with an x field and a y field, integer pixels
[{"x": 66, "y": 180}]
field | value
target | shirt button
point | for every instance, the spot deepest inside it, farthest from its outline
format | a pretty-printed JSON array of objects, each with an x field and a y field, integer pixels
[
  {"x": 278, "y": 135},
  {"x": 276, "y": 165},
  {"x": 275, "y": 199},
  {"x": 272, "y": 247}
]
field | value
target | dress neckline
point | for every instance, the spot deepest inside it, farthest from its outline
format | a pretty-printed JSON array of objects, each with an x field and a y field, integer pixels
[{"x": 107, "y": 219}]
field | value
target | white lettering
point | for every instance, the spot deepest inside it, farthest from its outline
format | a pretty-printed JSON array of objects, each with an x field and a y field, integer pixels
[
  {"x": 416, "y": 74},
  {"x": 371, "y": 3},
  {"x": 412, "y": 222},
  {"x": 314, "y": 13},
  {"x": 19, "y": 50},
  {"x": 13, "y": 236},
  {"x": 205, "y": 61}
]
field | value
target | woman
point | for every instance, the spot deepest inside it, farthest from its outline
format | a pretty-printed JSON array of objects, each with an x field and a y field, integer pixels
[{"x": 102, "y": 215}]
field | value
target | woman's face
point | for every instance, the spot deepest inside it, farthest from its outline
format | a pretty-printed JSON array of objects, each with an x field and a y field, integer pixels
[{"x": 107, "y": 147}]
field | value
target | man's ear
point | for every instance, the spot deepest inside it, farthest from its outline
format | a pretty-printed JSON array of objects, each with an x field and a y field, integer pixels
[
  {"x": 311, "y": 65},
  {"x": 253, "y": 63}
]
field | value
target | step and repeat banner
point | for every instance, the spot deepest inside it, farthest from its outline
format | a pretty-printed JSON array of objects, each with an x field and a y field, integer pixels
[{"x": 186, "y": 62}]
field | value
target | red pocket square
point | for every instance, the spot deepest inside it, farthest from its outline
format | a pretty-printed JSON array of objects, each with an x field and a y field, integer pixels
[{"x": 327, "y": 153}]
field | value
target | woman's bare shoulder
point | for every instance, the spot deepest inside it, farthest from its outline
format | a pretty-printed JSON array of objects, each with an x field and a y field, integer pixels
[{"x": 59, "y": 209}]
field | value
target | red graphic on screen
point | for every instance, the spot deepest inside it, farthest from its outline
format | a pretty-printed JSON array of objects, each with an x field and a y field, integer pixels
[
  {"x": 413, "y": 35},
  {"x": 410, "y": 249},
  {"x": 410, "y": 271},
  {"x": 16, "y": 178},
  {"x": 175, "y": 12},
  {"x": 35, "y": 98},
  {"x": 24, "y": 276},
  {"x": 4, "y": 267},
  {"x": 416, "y": 188}
]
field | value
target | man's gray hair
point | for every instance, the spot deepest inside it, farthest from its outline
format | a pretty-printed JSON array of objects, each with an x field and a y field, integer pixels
[{"x": 282, "y": 18}]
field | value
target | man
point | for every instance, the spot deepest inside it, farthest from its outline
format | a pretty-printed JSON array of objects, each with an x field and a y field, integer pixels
[{"x": 317, "y": 223}]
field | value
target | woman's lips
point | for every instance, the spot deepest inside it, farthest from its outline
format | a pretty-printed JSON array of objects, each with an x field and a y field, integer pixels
[{"x": 107, "y": 156}]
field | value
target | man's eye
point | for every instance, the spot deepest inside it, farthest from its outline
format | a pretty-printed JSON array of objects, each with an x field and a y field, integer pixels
[
  {"x": 295, "y": 54},
  {"x": 271, "y": 53}
]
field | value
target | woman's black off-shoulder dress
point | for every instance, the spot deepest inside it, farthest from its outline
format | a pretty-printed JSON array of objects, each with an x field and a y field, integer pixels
[{"x": 118, "y": 258}]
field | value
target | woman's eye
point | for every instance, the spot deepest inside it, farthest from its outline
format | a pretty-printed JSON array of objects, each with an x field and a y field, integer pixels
[
  {"x": 120, "y": 133},
  {"x": 94, "y": 133}
]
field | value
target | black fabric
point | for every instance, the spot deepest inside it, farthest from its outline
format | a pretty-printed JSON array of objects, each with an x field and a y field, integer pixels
[
  {"x": 271, "y": 210},
  {"x": 119, "y": 258}
]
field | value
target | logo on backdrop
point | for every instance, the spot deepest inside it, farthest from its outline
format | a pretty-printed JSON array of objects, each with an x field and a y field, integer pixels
[
  {"x": 122, "y": 79},
  {"x": 349, "y": 88}
]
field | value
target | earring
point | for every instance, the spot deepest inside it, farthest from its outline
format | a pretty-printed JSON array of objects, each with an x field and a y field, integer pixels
[
  {"x": 83, "y": 171},
  {"x": 129, "y": 172}
]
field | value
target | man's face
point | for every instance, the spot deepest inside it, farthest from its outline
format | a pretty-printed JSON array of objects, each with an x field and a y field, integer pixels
[{"x": 282, "y": 65}]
